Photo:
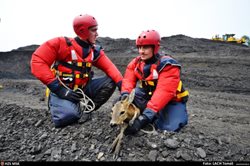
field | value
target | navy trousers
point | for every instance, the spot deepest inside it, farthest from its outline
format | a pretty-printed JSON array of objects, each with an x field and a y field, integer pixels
[
  {"x": 64, "y": 112},
  {"x": 171, "y": 118}
]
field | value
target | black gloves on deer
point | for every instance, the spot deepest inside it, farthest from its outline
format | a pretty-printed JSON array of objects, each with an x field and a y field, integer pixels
[
  {"x": 63, "y": 92},
  {"x": 140, "y": 122}
]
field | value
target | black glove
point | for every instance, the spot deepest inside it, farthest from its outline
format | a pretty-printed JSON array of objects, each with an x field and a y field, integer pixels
[
  {"x": 139, "y": 123},
  {"x": 63, "y": 92},
  {"x": 123, "y": 96},
  {"x": 119, "y": 85}
]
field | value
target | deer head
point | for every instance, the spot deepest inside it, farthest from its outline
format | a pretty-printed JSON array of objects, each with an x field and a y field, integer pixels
[{"x": 124, "y": 111}]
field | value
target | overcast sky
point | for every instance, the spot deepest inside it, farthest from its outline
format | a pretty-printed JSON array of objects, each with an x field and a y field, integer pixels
[{"x": 26, "y": 22}]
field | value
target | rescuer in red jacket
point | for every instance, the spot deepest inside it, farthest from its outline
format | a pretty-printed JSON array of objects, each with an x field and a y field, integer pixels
[
  {"x": 64, "y": 65},
  {"x": 159, "y": 92}
]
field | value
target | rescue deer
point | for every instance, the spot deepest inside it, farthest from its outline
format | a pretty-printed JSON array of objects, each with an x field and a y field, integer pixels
[{"x": 123, "y": 113}]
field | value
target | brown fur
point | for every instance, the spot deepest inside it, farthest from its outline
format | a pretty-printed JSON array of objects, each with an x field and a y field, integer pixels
[{"x": 123, "y": 112}]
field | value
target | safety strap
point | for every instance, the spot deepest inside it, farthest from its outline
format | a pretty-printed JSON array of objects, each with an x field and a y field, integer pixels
[
  {"x": 82, "y": 75},
  {"x": 97, "y": 51},
  {"x": 86, "y": 52},
  {"x": 182, "y": 93},
  {"x": 77, "y": 66},
  {"x": 68, "y": 41},
  {"x": 150, "y": 86},
  {"x": 83, "y": 67},
  {"x": 144, "y": 83}
]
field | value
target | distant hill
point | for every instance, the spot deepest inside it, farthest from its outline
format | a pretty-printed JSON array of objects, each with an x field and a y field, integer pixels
[{"x": 201, "y": 59}]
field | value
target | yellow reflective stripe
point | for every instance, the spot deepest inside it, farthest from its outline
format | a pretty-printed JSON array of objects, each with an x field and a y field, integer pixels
[
  {"x": 88, "y": 64},
  {"x": 183, "y": 94},
  {"x": 47, "y": 91},
  {"x": 79, "y": 64},
  {"x": 71, "y": 75},
  {"x": 179, "y": 86},
  {"x": 151, "y": 83},
  {"x": 67, "y": 75},
  {"x": 78, "y": 75}
]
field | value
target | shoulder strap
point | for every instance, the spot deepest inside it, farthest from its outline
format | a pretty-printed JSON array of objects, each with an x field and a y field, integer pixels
[
  {"x": 97, "y": 50},
  {"x": 85, "y": 51},
  {"x": 68, "y": 41},
  {"x": 166, "y": 60}
]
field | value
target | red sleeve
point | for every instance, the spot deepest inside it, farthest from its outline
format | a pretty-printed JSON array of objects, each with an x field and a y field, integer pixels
[
  {"x": 107, "y": 66},
  {"x": 129, "y": 80},
  {"x": 166, "y": 87},
  {"x": 42, "y": 59}
]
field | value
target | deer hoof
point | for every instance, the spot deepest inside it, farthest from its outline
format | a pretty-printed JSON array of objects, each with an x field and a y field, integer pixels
[
  {"x": 111, "y": 150},
  {"x": 115, "y": 156}
]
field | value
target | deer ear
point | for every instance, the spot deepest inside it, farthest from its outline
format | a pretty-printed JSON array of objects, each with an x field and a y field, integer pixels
[
  {"x": 125, "y": 100},
  {"x": 131, "y": 96}
]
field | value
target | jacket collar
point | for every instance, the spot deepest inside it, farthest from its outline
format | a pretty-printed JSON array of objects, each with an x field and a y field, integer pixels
[{"x": 82, "y": 43}]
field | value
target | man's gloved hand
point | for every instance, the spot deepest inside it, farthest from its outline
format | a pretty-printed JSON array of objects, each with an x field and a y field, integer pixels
[
  {"x": 63, "y": 92},
  {"x": 139, "y": 123},
  {"x": 123, "y": 96}
]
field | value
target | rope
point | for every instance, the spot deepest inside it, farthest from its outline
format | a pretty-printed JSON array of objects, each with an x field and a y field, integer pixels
[
  {"x": 150, "y": 131},
  {"x": 144, "y": 131},
  {"x": 86, "y": 104}
]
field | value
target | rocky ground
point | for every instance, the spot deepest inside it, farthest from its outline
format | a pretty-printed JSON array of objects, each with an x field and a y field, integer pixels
[{"x": 216, "y": 75}]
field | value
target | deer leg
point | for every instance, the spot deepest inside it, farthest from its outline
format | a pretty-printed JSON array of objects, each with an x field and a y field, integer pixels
[
  {"x": 118, "y": 144},
  {"x": 112, "y": 148},
  {"x": 114, "y": 144}
]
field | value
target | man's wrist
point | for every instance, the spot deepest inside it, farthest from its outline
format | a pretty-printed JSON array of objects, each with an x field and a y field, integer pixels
[
  {"x": 150, "y": 114},
  {"x": 54, "y": 85}
]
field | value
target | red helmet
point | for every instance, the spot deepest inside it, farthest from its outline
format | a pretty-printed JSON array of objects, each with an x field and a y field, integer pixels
[
  {"x": 149, "y": 37},
  {"x": 82, "y": 23}
]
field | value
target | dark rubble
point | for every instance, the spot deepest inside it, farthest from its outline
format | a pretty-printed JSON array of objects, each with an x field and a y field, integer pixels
[{"x": 216, "y": 75}]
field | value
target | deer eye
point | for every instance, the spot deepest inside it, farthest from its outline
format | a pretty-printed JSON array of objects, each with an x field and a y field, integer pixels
[{"x": 122, "y": 112}]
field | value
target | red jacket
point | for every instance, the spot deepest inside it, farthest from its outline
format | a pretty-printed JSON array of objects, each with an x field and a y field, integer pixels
[
  {"x": 57, "y": 50},
  {"x": 165, "y": 73}
]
